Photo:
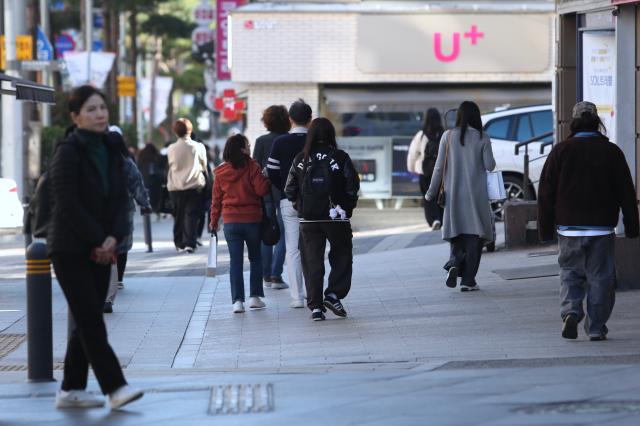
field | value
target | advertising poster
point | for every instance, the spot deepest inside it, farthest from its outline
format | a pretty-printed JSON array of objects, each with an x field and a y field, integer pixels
[{"x": 598, "y": 75}]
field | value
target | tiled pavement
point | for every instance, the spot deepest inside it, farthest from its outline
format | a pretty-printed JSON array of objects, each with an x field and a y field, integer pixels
[{"x": 410, "y": 352}]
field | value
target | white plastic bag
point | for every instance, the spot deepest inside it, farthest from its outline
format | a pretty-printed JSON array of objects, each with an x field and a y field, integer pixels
[
  {"x": 212, "y": 260},
  {"x": 495, "y": 186}
]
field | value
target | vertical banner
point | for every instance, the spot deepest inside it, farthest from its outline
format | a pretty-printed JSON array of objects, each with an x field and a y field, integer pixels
[
  {"x": 599, "y": 75},
  {"x": 222, "y": 28}
]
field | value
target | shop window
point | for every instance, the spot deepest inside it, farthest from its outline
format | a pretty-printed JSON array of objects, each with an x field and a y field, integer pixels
[{"x": 380, "y": 123}]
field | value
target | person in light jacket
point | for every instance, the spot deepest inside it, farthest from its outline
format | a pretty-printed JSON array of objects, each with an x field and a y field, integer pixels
[
  {"x": 186, "y": 181},
  {"x": 423, "y": 152},
  {"x": 464, "y": 158}
]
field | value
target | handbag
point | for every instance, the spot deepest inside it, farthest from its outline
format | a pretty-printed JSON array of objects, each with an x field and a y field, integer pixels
[
  {"x": 441, "y": 194},
  {"x": 212, "y": 259},
  {"x": 270, "y": 231}
]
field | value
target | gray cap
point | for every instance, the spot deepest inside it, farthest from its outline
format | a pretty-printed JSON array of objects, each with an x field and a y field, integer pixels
[{"x": 582, "y": 107}]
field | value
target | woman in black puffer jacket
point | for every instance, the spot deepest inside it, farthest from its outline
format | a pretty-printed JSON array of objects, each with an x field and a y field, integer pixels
[{"x": 89, "y": 217}]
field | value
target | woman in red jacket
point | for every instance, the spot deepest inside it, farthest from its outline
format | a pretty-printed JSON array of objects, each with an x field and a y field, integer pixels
[{"x": 237, "y": 190}]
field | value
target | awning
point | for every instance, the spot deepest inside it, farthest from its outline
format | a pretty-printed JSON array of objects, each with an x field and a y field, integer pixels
[{"x": 26, "y": 90}]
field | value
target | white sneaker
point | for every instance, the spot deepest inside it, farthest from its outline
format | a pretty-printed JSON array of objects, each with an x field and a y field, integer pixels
[
  {"x": 296, "y": 304},
  {"x": 256, "y": 303},
  {"x": 77, "y": 399},
  {"x": 436, "y": 225},
  {"x": 123, "y": 395},
  {"x": 238, "y": 307},
  {"x": 266, "y": 283}
]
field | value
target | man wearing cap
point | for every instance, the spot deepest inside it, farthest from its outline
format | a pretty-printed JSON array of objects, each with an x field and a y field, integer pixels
[{"x": 584, "y": 184}]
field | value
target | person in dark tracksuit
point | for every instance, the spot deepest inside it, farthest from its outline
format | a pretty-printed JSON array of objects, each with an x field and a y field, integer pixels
[
  {"x": 323, "y": 186},
  {"x": 88, "y": 219}
]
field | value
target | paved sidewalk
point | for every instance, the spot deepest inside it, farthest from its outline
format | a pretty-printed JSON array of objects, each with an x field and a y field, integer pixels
[{"x": 410, "y": 352}]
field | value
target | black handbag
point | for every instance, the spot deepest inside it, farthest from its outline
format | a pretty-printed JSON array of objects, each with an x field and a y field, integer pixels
[{"x": 270, "y": 231}]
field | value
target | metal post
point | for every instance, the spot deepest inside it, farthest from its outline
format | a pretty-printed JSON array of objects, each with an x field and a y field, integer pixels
[
  {"x": 12, "y": 132},
  {"x": 147, "y": 233},
  {"x": 525, "y": 179},
  {"x": 39, "y": 327},
  {"x": 88, "y": 16},
  {"x": 46, "y": 75}
]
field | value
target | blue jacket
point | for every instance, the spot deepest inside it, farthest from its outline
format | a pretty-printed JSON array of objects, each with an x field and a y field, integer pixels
[{"x": 137, "y": 194}]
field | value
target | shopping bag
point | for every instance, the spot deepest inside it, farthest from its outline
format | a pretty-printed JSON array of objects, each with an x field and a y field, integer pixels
[
  {"x": 495, "y": 186},
  {"x": 212, "y": 260},
  {"x": 113, "y": 284}
]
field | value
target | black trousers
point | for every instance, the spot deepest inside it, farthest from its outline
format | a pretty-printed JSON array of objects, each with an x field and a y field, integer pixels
[
  {"x": 85, "y": 286},
  {"x": 466, "y": 251},
  {"x": 122, "y": 265},
  {"x": 313, "y": 240},
  {"x": 432, "y": 211},
  {"x": 187, "y": 209}
]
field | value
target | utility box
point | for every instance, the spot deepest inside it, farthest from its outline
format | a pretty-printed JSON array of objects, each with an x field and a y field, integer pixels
[{"x": 520, "y": 223}]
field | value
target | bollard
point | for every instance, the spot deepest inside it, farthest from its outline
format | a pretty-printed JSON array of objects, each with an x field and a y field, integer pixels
[
  {"x": 147, "y": 233},
  {"x": 39, "y": 327}
]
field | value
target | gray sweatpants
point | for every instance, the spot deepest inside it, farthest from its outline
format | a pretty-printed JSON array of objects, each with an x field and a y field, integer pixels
[{"x": 587, "y": 268}]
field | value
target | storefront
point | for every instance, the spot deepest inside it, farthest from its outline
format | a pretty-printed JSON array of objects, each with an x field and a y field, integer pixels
[
  {"x": 598, "y": 61},
  {"x": 373, "y": 68}
]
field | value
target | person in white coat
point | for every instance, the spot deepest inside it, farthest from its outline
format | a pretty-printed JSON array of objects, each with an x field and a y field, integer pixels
[{"x": 421, "y": 160}]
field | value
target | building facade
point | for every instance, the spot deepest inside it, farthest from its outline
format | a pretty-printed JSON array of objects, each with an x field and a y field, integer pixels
[{"x": 352, "y": 58}]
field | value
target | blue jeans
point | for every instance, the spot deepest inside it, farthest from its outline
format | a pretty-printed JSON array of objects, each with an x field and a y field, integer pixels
[
  {"x": 236, "y": 235},
  {"x": 273, "y": 256}
]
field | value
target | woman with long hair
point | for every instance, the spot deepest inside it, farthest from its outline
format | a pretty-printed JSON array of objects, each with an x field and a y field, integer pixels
[
  {"x": 237, "y": 188},
  {"x": 323, "y": 186},
  {"x": 421, "y": 160},
  {"x": 88, "y": 220},
  {"x": 464, "y": 158}
]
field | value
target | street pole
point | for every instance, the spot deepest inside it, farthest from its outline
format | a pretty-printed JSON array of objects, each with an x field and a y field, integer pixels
[
  {"x": 88, "y": 27},
  {"x": 122, "y": 63},
  {"x": 12, "y": 116},
  {"x": 46, "y": 75}
]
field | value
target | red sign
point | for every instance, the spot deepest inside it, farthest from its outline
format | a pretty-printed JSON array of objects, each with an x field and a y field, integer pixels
[
  {"x": 223, "y": 8},
  {"x": 204, "y": 14}
]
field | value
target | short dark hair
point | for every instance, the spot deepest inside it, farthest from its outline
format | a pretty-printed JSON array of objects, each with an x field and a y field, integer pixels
[
  {"x": 182, "y": 127},
  {"x": 276, "y": 119},
  {"x": 233, "y": 151},
  {"x": 587, "y": 123},
  {"x": 300, "y": 112},
  {"x": 80, "y": 95}
]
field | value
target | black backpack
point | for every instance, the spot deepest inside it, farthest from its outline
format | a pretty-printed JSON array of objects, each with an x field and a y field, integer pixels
[
  {"x": 39, "y": 211},
  {"x": 316, "y": 186},
  {"x": 429, "y": 156}
]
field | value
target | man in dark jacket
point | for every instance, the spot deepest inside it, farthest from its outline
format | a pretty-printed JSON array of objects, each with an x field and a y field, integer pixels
[
  {"x": 283, "y": 151},
  {"x": 584, "y": 185}
]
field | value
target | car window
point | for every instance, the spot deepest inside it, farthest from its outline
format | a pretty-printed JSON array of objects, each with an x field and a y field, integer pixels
[
  {"x": 542, "y": 122},
  {"x": 524, "y": 131},
  {"x": 499, "y": 128}
]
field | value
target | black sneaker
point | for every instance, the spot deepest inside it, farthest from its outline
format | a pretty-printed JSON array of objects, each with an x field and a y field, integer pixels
[
  {"x": 335, "y": 306},
  {"x": 452, "y": 277},
  {"x": 317, "y": 315},
  {"x": 570, "y": 327},
  {"x": 602, "y": 336},
  {"x": 108, "y": 308}
]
